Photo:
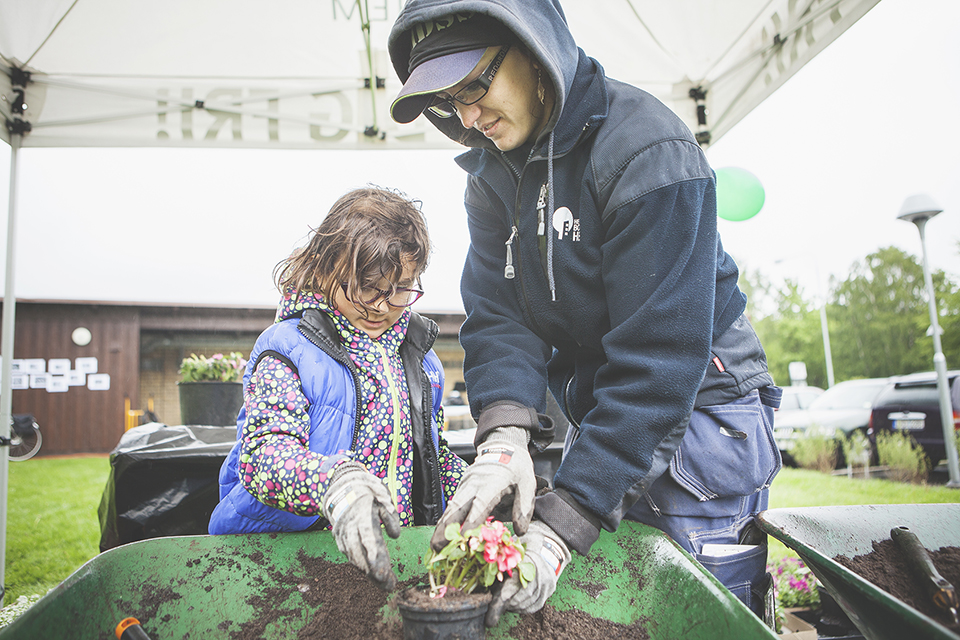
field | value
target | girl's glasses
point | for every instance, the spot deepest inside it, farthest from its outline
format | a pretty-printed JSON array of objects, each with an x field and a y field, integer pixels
[
  {"x": 397, "y": 298},
  {"x": 470, "y": 94}
]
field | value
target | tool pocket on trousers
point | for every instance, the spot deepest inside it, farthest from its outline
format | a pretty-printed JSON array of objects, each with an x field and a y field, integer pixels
[{"x": 728, "y": 450}]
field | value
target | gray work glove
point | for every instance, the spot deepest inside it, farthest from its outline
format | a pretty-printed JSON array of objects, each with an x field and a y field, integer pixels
[
  {"x": 549, "y": 555},
  {"x": 356, "y": 503},
  {"x": 503, "y": 468}
]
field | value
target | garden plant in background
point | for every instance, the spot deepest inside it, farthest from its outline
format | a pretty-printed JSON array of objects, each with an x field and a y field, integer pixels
[
  {"x": 216, "y": 368},
  {"x": 856, "y": 449},
  {"x": 794, "y": 584},
  {"x": 476, "y": 558},
  {"x": 904, "y": 458},
  {"x": 816, "y": 449}
]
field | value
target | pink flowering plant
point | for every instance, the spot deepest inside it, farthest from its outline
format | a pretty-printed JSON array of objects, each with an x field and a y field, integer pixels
[
  {"x": 795, "y": 583},
  {"x": 795, "y": 586},
  {"x": 216, "y": 368},
  {"x": 476, "y": 559}
]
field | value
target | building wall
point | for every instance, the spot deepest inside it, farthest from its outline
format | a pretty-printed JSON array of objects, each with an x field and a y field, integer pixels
[
  {"x": 141, "y": 347},
  {"x": 79, "y": 420}
]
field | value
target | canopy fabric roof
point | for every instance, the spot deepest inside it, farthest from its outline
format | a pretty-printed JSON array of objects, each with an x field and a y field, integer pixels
[{"x": 295, "y": 73}]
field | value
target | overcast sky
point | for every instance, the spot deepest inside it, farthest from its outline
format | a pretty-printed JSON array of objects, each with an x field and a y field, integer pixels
[{"x": 838, "y": 148}]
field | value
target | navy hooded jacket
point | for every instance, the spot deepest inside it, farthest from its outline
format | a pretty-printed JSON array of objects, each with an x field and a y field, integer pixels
[{"x": 621, "y": 298}]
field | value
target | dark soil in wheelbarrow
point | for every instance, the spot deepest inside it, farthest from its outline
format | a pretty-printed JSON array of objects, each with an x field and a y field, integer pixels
[
  {"x": 886, "y": 567},
  {"x": 348, "y": 607}
]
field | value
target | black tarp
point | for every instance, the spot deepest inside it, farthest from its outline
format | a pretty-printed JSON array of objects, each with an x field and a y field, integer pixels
[{"x": 163, "y": 482}]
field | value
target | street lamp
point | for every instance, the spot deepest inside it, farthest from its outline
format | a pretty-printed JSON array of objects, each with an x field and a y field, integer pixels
[{"x": 918, "y": 209}]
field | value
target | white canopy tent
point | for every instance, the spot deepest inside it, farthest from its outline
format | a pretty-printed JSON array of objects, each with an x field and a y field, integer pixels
[{"x": 296, "y": 74}]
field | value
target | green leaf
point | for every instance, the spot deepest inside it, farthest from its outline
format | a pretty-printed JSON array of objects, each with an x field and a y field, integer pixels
[
  {"x": 527, "y": 571},
  {"x": 452, "y": 532},
  {"x": 489, "y": 573}
]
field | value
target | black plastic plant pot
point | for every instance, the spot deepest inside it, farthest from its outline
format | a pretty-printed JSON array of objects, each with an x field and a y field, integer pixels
[
  {"x": 210, "y": 403},
  {"x": 454, "y": 617}
]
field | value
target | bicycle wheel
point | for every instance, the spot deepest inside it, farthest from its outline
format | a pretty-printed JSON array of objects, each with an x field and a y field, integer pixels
[{"x": 24, "y": 447}]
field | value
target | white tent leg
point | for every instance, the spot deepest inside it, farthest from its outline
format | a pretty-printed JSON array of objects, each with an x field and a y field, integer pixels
[{"x": 6, "y": 350}]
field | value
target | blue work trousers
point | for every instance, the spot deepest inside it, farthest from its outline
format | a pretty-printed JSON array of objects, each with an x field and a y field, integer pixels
[{"x": 716, "y": 484}]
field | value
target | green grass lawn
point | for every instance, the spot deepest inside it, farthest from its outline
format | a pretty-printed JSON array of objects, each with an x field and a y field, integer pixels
[{"x": 52, "y": 525}]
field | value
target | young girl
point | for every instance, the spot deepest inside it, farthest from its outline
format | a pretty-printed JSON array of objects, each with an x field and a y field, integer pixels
[{"x": 341, "y": 419}]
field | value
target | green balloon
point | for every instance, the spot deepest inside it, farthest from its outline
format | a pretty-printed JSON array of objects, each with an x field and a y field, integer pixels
[{"x": 740, "y": 195}]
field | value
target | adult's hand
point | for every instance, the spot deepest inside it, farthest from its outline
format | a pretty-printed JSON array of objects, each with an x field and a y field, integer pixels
[
  {"x": 549, "y": 555},
  {"x": 356, "y": 503},
  {"x": 503, "y": 468}
]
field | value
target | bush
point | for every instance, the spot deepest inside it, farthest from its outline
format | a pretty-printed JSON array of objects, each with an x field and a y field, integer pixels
[
  {"x": 816, "y": 449},
  {"x": 904, "y": 458},
  {"x": 856, "y": 449}
]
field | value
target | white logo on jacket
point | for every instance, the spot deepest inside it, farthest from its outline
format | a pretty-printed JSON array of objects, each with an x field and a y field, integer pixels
[{"x": 564, "y": 223}]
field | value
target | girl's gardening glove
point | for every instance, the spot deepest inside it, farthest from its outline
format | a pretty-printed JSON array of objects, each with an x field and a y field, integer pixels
[
  {"x": 356, "y": 503},
  {"x": 550, "y": 555},
  {"x": 503, "y": 469}
]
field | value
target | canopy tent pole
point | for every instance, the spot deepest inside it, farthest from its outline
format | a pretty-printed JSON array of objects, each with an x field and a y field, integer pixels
[
  {"x": 373, "y": 82},
  {"x": 6, "y": 351},
  {"x": 17, "y": 127}
]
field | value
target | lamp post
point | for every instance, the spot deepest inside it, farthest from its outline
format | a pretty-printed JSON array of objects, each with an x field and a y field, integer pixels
[{"x": 918, "y": 209}]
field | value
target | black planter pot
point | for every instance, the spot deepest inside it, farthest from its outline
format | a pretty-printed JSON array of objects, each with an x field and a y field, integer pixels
[
  {"x": 443, "y": 618},
  {"x": 210, "y": 403}
]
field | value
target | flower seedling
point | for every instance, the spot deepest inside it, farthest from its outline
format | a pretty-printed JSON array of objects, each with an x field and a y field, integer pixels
[{"x": 476, "y": 559}]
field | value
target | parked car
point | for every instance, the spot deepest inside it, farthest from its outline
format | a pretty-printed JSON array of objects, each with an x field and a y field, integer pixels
[
  {"x": 911, "y": 404},
  {"x": 840, "y": 410},
  {"x": 796, "y": 397}
]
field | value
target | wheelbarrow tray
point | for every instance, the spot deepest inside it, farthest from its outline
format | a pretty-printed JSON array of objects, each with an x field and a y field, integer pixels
[
  {"x": 207, "y": 583},
  {"x": 820, "y": 534}
]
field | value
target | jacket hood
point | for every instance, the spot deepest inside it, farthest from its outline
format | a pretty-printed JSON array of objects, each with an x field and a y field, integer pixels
[
  {"x": 539, "y": 25},
  {"x": 293, "y": 304}
]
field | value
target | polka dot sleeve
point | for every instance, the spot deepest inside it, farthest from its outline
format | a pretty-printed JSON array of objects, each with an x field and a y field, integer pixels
[{"x": 276, "y": 465}]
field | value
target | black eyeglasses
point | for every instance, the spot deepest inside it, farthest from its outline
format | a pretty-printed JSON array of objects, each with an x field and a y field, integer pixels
[
  {"x": 472, "y": 93},
  {"x": 397, "y": 298}
]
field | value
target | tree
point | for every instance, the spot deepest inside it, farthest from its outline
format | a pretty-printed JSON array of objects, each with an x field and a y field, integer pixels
[
  {"x": 878, "y": 320},
  {"x": 789, "y": 331},
  {"x": 879, "y": 317}
]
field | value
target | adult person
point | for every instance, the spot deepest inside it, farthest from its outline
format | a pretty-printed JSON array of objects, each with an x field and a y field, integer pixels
[{"x": 594, "y": 268}]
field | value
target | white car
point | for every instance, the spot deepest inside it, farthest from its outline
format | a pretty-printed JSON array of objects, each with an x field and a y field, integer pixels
[{"x": 839, "y": 410}]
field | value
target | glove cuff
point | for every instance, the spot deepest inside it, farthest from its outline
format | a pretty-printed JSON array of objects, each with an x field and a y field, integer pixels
[
  {"x": 559, "y": 511},
  {"x": 506, "y": 413},
  {"x": 553, "y": 550},
  {"x": 516, "y": 436},
  {"x": 345, "y": 468}
]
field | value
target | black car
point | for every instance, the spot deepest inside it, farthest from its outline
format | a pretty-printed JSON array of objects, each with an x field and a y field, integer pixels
[{"x": 911, "y": 404}]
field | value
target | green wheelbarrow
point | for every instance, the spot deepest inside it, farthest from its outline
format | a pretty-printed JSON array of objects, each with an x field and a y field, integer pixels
[
  {"x": 219, "y": 586},
  {"x": 820, "y": 534}
]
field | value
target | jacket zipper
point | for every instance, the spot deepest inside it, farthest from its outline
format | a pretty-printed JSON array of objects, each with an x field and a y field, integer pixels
[
  {"x": 395, "y": 436},
  {"x": 515, "y": 235}
]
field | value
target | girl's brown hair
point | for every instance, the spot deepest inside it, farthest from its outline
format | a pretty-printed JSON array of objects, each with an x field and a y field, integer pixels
[{"x": 368, "y": 236}]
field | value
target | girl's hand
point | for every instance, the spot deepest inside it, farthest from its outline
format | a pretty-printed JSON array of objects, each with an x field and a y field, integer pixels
[{"x": 356, "y": 503}]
